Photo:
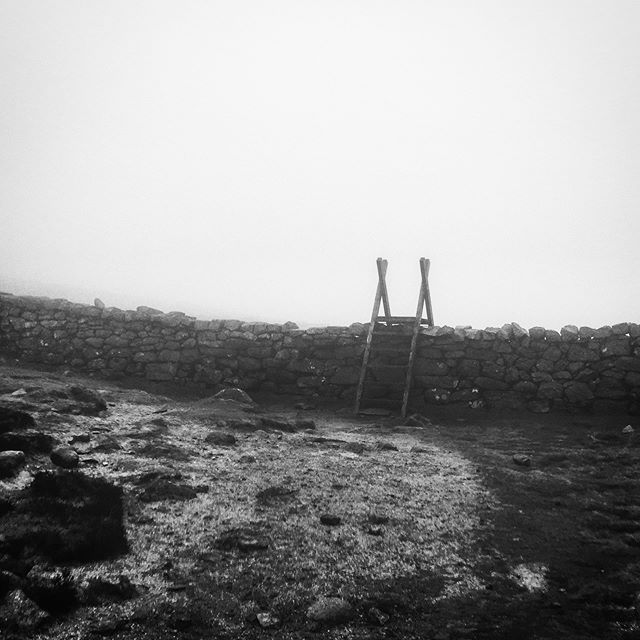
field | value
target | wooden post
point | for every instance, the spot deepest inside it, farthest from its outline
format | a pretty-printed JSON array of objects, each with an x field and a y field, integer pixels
[
  {"x": 424, "y": 272},
  {"x": 381, "y": 294},
  {"x": 382, "y": 284}
]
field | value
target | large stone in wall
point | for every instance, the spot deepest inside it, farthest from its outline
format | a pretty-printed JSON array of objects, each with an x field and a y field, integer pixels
[
  {"x": 578, "y": 353},
  {"x": 550, "y": 390},
  {"x": 578, "y": 393},
  {"x": 490, "y": 384}
]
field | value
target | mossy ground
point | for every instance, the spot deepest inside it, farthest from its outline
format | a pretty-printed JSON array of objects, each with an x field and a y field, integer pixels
[{"x": 464, "y": 521}]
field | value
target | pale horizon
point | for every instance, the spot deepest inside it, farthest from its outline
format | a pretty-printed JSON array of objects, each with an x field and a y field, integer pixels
[{"x": 251, "y": 160}]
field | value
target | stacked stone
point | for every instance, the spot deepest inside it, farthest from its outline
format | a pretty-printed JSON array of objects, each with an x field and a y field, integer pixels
[
  {"x": 106, "y": 341},
  {"x": 541, "y": 369},
  {"x": 279, "y": 358}
]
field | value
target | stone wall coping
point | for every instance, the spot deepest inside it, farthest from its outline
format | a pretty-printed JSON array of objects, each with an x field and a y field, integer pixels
[{"x": 508, "y": 331}]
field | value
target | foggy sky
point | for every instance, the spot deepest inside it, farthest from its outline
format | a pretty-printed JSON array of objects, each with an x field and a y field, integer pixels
[{"x": 252, "y": 159}]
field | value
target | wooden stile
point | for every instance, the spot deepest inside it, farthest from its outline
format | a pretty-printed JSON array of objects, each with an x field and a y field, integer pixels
[{"x": 394, "y": 326}]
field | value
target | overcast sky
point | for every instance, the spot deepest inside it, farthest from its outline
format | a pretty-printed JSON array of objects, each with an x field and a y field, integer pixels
[{"x": 252, "y": 159}]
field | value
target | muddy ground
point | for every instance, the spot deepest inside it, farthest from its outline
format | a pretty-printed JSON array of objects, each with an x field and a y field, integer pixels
[{"x": 190, "y": 517}]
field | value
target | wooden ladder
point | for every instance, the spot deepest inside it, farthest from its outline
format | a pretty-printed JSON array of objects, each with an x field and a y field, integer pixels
[{"x": 399, "y": 329}]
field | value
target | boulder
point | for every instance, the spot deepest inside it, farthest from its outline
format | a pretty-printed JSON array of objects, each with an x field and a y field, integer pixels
[
  {"x": 330, "y": 611},
  {"x": 218, "y": 439},
  {"x": 65, "y": 457},
  {"x": 243, "y": 539},
  {"x": 29, "y": 441},
  {"x": 233, "y": 393},
  {"x": 522, "y": 460},
  {"x": 161, "y": 489},
  {"x": 578, "y": 392}
]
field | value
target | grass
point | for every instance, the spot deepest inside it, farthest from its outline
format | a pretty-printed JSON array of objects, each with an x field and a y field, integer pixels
[{"x": 466, "y": 543}]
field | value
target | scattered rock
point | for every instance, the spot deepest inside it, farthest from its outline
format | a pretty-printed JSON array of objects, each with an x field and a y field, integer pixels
[
  {"x": 332, "y": 443},
  {"x": 386, "y": 446},
  {"x": 330, "y": 611},
  {"x": 375, "y": 530},
  {"x": 82, "y": 438},
  {"x": 163, "y": 473},
  {"x": 242, "y": 538},
  {"x": 233, "y": 393},
  {"x": 65, "y": 457},
  {"x": 267, "y": 620},
  {"x": 163, "y": 409},
  {"x": 13, "y": 419},
  {"x": 19, "y": 392},
  {"x": 279, "y": 423},
  {"x": 86, "y": 402},
  {"x": 275, "y": 494},
  {"x": 417, "y": 449},
  {"x": 10, "y": 463},
  {"x": 330, "y": 520},
  {"x": 98, "y": 303},
  {"x": 247, "y": 458},
  {"x": 29, "y": 441},
  {"x": 161, "y": 489},
  {"x": 106, "y": 444},
  {"x": 628, "y": 429},
  {"x": 218, "y": 439},
  {"x": 522, "y": 460}
]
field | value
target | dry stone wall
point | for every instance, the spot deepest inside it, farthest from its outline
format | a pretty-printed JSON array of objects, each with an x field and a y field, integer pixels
[{"x": 540, "y": 369}]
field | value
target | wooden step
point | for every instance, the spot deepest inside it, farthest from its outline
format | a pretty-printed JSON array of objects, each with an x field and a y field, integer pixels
[
  {"x": 399, "y": 330},
  {"x": 381, "y": 365},
  {"x": 400, "y": 320}
]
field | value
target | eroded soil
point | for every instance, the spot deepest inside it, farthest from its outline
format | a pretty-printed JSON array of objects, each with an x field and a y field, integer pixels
[{"x": 239, "y": 516}]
